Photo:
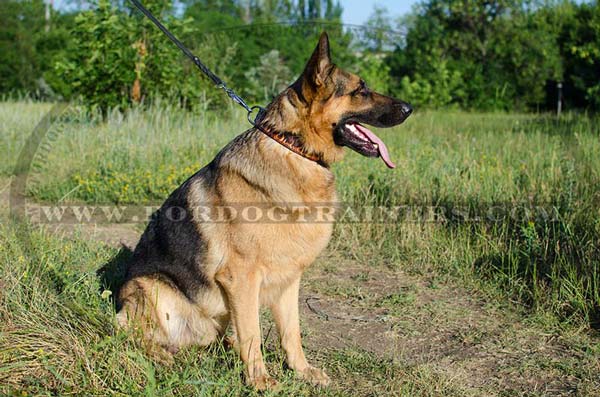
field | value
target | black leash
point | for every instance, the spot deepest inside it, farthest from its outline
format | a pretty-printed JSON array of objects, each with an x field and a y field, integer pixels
[
  {"x": 215, "y": 79},
  {"x": 280, "y": 137}
]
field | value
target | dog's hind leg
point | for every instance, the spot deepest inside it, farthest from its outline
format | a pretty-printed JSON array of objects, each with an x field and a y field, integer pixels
[{"x": 164, "y": 315}]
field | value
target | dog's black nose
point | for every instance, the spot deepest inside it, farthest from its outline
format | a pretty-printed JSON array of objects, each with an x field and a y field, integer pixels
[{"x": 406, "y": 109}]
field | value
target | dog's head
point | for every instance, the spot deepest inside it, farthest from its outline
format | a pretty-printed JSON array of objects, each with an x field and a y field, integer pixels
[{"x": 333, "y": 105}]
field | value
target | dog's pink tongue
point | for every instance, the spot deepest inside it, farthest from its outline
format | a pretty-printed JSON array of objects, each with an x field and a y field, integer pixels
[{"x": 383, "y": 151}]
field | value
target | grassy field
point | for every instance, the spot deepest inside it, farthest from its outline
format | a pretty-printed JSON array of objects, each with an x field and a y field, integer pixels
[{"x": 451, "y": 306}]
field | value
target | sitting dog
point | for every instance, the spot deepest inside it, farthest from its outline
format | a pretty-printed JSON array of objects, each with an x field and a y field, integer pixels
[{"x": 190, "y": 276}]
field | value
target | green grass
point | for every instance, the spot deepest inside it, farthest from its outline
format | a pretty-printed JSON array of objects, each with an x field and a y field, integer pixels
[
  {"x": 58, "y": 337},
  {"x": 56, "y": 327}
]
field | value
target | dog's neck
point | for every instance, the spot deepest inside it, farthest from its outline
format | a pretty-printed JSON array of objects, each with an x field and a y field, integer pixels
[{"x": 284, "y": 120}]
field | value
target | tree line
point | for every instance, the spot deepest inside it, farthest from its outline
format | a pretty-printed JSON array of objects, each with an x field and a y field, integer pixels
[{"x": 470, "y": 54}]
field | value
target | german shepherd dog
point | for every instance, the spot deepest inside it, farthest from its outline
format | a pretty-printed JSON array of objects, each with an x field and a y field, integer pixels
[{"x": 189, "y": 278}]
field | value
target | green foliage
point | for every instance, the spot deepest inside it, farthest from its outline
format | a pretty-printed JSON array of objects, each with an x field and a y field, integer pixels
[
  {"x": 374, "y": 71},
  {"x": 22, "y": 22},
  {"x": 486, "y": 55},
  {"x": 113, "y": 57},
  {"x": 435, "y": 93},
  {"x": 250, "y": 26},
  {"x": 118, "y": 51},
  {"x": 269, "y": 78},
  {"x": 377, "y": 30},
  {"x": 580, "y": 48},
  {"x": 478, "y": 55},
  {"x": 29, "y": 47}
]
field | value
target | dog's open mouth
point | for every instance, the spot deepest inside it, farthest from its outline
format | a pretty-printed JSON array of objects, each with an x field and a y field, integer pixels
[{"x": 364, "y": 141}]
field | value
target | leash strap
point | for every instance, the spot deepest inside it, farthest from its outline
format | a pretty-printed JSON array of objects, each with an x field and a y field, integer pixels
[
  {"x": 215, "y": 79},
  {"x": 254, "y": 120}
]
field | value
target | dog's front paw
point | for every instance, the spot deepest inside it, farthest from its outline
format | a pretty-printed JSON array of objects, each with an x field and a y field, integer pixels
[
  {"x": 231, "y": 342},
  {"x": 262, "y": 382},
  {"x": 316, "y": 376}
]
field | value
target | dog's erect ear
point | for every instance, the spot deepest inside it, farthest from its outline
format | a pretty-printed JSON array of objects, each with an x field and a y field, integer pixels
[{"x": 319, "y": 63}]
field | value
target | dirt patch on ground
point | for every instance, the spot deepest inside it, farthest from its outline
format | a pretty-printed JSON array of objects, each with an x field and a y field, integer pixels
[
  {"x": 116, "y": 235},
  {"x": 113, "y": 234},
  {"x": 445, "y": 328}
]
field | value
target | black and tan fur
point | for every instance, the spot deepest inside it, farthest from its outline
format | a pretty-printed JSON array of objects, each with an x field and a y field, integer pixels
[{"x": 189, "y": 280}]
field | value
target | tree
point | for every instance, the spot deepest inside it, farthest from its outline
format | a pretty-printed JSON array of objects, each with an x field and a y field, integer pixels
[
  {"x": 580, "y": 49},
  {"x": 318, "y": 10},
  {"x": 17, "y": 44},
  {"x": 314, "y": 9},
  {"x": 377, "y": 36},
  {"x": 28, "y": 51},
  {"x": 269, "y": 78},
  {"x": 117, "y": 50},
  {"x": 478, "y": 54},
  {"x": 301, "y": 10},
  {"x": 256, "y": 41}
]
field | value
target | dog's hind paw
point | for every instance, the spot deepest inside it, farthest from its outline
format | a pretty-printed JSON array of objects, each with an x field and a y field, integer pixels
[{"x": 316, "y": 376}]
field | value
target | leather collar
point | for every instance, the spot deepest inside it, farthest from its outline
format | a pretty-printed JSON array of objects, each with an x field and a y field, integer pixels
[{"x": 292, "y": 142}]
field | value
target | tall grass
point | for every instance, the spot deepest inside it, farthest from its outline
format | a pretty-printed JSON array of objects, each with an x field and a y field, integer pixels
[{"x": 445, "y": 159}]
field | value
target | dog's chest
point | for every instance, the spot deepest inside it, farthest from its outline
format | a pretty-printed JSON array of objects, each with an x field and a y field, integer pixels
[
  {"x": 292, "y": 248},
  {"x": 297, "y": 245},
  {"x": 286, "y": 239},
  {"x": 306, "y": 230}
]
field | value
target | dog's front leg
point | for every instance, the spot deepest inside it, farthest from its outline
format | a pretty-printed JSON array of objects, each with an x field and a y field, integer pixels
[
  {"x": 285, "y": 313},
  {"x": 242, "y": 289}
]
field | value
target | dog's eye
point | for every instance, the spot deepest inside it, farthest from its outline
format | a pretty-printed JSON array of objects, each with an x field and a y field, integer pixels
[{"x": 362, "y": 90}]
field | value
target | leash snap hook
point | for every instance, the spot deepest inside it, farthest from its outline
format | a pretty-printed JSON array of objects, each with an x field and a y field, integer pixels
[{"x": 259, "y": 112}]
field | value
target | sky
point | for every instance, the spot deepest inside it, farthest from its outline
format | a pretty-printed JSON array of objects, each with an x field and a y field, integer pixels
[{"x": 358, "y": 11}]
